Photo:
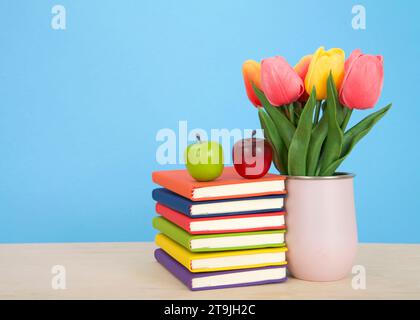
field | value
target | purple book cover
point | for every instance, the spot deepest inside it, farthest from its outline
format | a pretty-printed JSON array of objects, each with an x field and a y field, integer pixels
[{"x": 187, "y": 277}]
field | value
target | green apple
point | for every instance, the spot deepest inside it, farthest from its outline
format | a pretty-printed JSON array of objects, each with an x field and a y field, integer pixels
[{"x": 204, "y": 160}]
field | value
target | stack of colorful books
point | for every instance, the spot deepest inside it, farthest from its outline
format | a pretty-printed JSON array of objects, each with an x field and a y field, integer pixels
[{"x": 224, "y": 233}]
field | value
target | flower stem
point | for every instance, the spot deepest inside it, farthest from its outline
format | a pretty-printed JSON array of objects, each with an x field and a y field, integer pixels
[
  {"x": 346, "y": 119},
  {"x": 291, "y": 113},
  {"x": 317, "y": 112}
]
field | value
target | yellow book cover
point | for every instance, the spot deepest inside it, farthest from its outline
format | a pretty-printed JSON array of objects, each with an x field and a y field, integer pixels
[{"x": 208, "y": 261}]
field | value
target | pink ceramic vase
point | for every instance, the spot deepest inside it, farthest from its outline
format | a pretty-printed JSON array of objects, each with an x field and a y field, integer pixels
[{"x": 321, "y": 227}]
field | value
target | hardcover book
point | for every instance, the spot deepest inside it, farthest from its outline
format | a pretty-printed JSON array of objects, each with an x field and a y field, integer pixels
[
  {"x": 221, "y": 279},
  {"x": 228, "y": 185},
  {"x": 271, "y": 203},
  {"x": 220, "y": 242},
  {"x": 224, "y": 224},
  {"x": 225, "y": 260}
]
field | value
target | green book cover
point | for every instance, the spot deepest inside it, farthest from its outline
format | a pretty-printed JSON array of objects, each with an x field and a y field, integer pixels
[{"x": 184, "y": 238}]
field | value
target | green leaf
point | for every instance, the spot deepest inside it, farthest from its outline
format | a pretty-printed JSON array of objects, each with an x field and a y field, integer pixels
[
  {"x": 358, "y": 132},
  {"x": 334, "y": 140},
  {"x": 352, "y": 136},
  {"x": 264, "y": 125},
  {"x": 285, "y": 128},
  {"x": 319, "y": 133},
  {"x": 274, "y": 139},
  {"x": 340, "y": 110},
  {"x": 299, "y": 146}
]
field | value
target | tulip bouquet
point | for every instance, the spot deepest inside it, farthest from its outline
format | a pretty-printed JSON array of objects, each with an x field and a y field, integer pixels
[{"x": 305, "y": 110}]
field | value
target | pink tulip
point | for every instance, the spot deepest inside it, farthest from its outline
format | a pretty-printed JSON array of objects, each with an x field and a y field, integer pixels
[
  {"x": 280, "y": 82},
  {"x": 363, "y": 80}
]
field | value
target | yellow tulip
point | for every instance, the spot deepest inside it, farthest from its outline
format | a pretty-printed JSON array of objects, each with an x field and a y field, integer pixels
[{"x": 322, "y": 63}]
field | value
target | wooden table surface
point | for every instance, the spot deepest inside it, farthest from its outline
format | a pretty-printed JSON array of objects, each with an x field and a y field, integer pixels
[{"x": 129, "y": 271}]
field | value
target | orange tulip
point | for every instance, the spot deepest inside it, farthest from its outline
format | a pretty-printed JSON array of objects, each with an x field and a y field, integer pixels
[
  {"x": 302, "y": 66},
  {"x": 301, "y": 69},
  {"x": 251, "y": 71}
]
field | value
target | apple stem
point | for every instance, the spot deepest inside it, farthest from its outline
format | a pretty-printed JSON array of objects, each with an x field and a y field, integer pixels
[
  {"x": 254, "y": 143},
  {"x": 197, "y": 135}
]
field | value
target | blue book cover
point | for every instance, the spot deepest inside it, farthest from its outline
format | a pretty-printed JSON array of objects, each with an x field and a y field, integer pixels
[{"x": 199, "y": 209}]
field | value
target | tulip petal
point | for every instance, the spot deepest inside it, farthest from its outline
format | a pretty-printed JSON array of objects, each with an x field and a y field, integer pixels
[
  {"x": 302, "y": 66},
  {"x": 363, "y": 81},
  {"x": 280, "y": 82},
  {"x": 251, "y": 71},
  {"x": 302, "y": 69},
  {"x": 353, "y": 56},
  {"x": 322, "y": 63}
]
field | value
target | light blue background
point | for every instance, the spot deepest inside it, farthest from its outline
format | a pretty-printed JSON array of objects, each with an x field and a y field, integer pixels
[{"x": 80, "y": 108}]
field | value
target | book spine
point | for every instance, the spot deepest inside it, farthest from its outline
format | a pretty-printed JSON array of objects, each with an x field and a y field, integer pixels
[
  {"x": 169, "y": 184},
  {"x": 179, "y": 204},
  {"x": 177, "y": 218},
  {"x": 174, "y": 251},
  {"x": 172, "y": 231},
  {"x": 176, "y": 269}
]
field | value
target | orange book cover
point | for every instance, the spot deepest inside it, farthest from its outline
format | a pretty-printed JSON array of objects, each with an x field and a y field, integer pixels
[{"x": 180, "y": 182}]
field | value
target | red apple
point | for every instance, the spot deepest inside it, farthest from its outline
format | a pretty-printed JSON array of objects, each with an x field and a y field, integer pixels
[{"x": 252, "y": 157}]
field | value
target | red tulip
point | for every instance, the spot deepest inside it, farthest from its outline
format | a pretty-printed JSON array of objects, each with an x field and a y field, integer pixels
[
  {"x": 363, "y": 80},
  {"x": 280, "y": 82}
]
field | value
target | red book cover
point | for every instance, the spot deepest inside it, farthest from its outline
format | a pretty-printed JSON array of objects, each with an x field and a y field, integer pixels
[{"x": 184, "y": 221}]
